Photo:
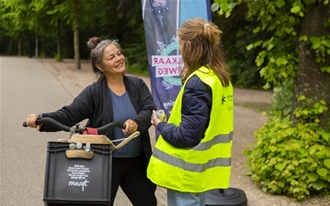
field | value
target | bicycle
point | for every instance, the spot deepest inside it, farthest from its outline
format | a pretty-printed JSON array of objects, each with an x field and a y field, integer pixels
[{"x": 78, "y": 170}]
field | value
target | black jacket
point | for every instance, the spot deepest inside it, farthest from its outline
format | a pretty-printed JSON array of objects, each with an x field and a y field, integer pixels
[{"x": 94, "y": 104}]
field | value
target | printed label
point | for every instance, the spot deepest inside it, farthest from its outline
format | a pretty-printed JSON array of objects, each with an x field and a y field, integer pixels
[{"x": 78, "y": 176}]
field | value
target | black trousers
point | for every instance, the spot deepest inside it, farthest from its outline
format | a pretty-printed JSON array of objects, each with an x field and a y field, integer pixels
[{"x": 131, "y": 175}]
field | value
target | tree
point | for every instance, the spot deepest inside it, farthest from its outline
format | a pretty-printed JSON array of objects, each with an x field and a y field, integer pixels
[
  {"x": 75, "y": 27},
  {"x": 49, "y": 17},
  {"x": 63, "y": 27},
  {"x": 313, "y": 76},
  {"x": 299, "y": 48},
  {"x": 306, "y": 51},
  {"x": 45, "y": 22},
  {"x": 291, "y": 155},
  {"x": 16, "y": 21}
]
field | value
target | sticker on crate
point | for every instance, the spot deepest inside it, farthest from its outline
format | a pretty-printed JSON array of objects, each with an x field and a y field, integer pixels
[{"x": 78, "y": 176}]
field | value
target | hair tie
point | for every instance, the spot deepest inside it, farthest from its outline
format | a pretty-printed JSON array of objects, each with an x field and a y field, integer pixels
[{"x": 206, "y": 25}]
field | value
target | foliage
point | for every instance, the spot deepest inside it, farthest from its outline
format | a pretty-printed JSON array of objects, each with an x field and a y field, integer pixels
[
  {"x": 47, "y": 18},
  {"x": 308, "y": 113},
  {"x": 321, "y": 46},
  {"x": 243, "y": 70},
  {"x": 291, "y": 154},
  {"x": 135, "y": 54},
  {"x": 292, "y": 159},
  {"x": 277, "y": 58},
  {"x": 58, "y": 58},
  {"x": 110, "y": 19},
  {"x": 134, "y": 48},
  {"x": 15, "y": 16},
  {"x": 283, "y": 94}
]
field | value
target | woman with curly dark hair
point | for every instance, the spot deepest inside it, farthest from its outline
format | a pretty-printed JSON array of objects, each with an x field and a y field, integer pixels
[{"x": 114, "y": 97}]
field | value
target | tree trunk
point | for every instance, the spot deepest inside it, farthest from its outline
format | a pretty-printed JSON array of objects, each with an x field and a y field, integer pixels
[
  {"x": 19, "y": 46},
  {"x": 36, "y": 48},
  {"x": 44, "y": 45},
  {"x": 29, "y": 45},
  {"x": 76, "y": 34},
  {"x": 10, "y": 46},
  {"x": 59, "y": 40},
  {"x": 310, "y": 80}
]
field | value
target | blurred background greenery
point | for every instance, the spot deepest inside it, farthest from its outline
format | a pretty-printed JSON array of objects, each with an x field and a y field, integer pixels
[{"x": 52, "y": 24}]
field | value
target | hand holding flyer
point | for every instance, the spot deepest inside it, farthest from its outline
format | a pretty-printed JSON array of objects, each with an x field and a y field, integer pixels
[{"x": 161, "y": 115}]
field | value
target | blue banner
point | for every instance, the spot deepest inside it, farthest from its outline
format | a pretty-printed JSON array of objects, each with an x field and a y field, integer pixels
[{"x": 162, "y": 18}]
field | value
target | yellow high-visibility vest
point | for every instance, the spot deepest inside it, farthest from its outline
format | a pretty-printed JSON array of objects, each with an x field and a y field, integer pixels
[{"x": 207, "y": 165}]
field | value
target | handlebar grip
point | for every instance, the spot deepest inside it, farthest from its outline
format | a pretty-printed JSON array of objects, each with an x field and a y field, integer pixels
[
  {"x": 25, "y": 122},
  {"x": 46, "y": 120},
  {"x": 105, "y": 128}
]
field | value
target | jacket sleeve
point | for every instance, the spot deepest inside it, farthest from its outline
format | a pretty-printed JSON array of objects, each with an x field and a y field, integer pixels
[
  {"x": 81, "y": 108},
  {"x": 196, "y": 107},
  {"x": 143, "y": 103}
]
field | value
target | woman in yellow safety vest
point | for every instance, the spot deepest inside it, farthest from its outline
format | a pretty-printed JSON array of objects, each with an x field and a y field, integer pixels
[{"x": 193, "y": 153}]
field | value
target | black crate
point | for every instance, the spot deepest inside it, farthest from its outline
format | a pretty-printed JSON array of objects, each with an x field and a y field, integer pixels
[{"x": 77, "y": 181}]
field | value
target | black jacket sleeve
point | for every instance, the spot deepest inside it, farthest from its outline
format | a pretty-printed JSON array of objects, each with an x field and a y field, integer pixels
[
  {"x": 82, "y": 107},
  {"x": 196, "y": 107},
  {"x": 142, "y": 101}
]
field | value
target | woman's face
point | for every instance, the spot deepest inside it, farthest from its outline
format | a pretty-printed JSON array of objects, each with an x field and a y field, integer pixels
[{"x": 113, "y": 60}]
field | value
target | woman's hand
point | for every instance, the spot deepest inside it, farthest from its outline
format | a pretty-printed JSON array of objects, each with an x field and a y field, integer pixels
[
  {"x": 155, "y": 120},
  {"x": 31, "y": 121},
  {"x": 130, "y": 127}
]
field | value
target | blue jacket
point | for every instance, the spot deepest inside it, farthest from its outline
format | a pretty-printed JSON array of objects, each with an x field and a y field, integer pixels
[{"x": 196, "y": 106}]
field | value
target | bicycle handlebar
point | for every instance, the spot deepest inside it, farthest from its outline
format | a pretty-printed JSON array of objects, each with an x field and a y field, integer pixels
[{"x": 76, "y": 129}]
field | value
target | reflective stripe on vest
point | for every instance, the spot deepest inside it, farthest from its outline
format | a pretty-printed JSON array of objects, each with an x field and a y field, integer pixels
[
  {"x": 200, "y": 147},
  {"x": 221, "y": 138}
]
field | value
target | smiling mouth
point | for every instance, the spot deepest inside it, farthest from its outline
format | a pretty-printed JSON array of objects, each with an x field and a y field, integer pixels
[{"x": 120, "y": 65}]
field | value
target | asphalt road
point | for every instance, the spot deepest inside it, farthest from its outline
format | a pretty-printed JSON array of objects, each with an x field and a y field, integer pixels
[{"x": 27, "y": 87}]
